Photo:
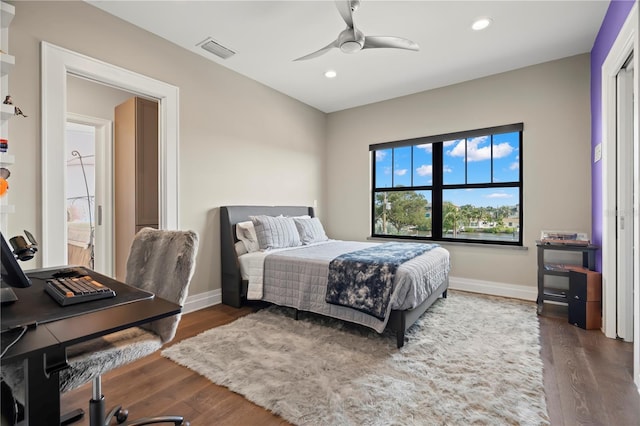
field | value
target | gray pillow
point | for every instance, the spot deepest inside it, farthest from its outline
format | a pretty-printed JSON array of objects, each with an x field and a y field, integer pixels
[
  {"x": 310, "y": 230},
  {"x": 275, "y": 232}
]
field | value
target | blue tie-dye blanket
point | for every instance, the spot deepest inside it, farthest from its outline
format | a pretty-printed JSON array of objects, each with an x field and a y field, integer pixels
[{"x": 363, "y": 279}]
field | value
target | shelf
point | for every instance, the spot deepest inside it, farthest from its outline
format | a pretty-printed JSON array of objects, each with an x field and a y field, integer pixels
[
  {"x": 6, "y": 111},
  {"x": 6, "y": 63},
  {"x": 556, "y": 295},
  {"x": 7, "y": 12},
  {"x": 7, "y": 208},
  {"x": 556, "y": 292},
  {"x": 546, "y": 293},
  {"x": 568, "y": 247},
  {"x": 561, "y": 269},
  {"x": 564, "y": 273},
  {"x": 6, "y": 159}
]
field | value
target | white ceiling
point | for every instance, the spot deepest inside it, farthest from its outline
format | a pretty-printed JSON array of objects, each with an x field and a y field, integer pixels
[{"x": 268, "y": 35}]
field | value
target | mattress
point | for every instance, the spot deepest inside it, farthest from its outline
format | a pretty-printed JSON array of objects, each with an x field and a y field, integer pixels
[
  {"x": 297, "y": 277},
  {"x": 78, "y": 234}
]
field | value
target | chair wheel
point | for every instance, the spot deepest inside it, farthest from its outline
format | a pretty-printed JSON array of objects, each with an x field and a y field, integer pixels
[
  {"x": 122, "y": 415},
  {"x": 186, "y": 423}
]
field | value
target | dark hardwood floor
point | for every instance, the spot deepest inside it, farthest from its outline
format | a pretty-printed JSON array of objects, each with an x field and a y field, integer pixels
[{"x": 588, "y": 379}]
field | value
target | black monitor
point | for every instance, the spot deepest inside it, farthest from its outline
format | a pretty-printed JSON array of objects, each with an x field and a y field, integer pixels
[{"x": 12, "y": 273}]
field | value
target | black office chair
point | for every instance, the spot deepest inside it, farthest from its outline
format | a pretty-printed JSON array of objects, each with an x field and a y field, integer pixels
[{"x": 161, "y": 262}]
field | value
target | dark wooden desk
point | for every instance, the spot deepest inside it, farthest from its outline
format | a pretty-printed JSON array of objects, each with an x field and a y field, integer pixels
[{"x": 43, "y": 347}]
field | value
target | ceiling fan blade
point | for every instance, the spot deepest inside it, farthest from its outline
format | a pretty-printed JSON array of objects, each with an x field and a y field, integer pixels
[
  {"x": 346, "y": 11},
  {"x": 373, "y": 42},
  {"x": 318, "y": 52}
]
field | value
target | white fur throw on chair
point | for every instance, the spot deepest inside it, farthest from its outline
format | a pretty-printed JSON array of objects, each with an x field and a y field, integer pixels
[{"x": 158, "y": 259}]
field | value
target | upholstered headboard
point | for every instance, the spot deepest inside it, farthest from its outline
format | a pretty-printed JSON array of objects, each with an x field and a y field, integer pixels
[{"x": 234, "y": 290}]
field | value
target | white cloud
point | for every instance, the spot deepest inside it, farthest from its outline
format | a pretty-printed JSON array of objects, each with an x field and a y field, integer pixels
[
  {"x": 476, "y": 152},
  {"x": 453, "y": 142},
  {"x": 380, "y": 155},
  {"x": 458, "y": 150},
  {"x": 515, "y": 165},
  {"x": 401, "y": 172},
  {"x": 425, "y": 170},
  {"x": 427, "y": 147},
  {"x": 499, "y": 195},
  {"x": 447, "y": 169},
  {"x": 502, "y": 150},
  {"x": 479, "y": 140}
]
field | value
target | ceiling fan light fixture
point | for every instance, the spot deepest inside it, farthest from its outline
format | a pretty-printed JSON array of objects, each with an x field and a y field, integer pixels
[
  {"x": 350, "y": 46},
  {"x": 481, "y": 23},
  {"x": 352, "y": 40}
]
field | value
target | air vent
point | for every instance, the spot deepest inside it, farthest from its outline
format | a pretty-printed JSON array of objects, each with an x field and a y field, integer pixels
[{"x": 212, "y": 46}]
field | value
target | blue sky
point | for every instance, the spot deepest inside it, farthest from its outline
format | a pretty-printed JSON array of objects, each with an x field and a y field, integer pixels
[{"x": 476, "y": 152}]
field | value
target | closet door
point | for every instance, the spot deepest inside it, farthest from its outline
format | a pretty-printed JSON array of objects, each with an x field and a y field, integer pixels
[
  {"x": 136, "y": 174},
  {"x": 146, "y": 163}
]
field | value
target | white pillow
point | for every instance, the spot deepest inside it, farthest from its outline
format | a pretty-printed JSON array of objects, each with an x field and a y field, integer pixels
[
  {"x": 240, "y": 248},
  {"x": 275, "y": 232},
  {"x": 310, "y": 230},
  {"x": 305, "y": 216},
  {"x": 247, "y": 234}
]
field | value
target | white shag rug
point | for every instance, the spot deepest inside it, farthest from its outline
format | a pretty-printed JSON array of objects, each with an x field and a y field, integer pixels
[{"x": 470, "y": 359}]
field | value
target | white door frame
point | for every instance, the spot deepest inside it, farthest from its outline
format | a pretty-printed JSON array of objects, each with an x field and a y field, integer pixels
[
  {"x": 626, "y": 43},
  {"x": 56, "y": 63},
  {"x": 103, "y": 221},
  {"x": 624, "y": 188}
]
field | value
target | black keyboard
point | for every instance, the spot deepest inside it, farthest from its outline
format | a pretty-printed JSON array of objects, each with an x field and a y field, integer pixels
[{"x": 72, "y": 290}]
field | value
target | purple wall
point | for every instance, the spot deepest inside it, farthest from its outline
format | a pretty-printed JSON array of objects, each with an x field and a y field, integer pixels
[{"x": 611, "y": 25}]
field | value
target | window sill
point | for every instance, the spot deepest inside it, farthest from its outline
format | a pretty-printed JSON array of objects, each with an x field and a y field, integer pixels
[{"x": 451, "y": 243}]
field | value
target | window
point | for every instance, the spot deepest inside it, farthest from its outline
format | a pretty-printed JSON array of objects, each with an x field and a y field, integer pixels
[{"x": 464, "y": 186}]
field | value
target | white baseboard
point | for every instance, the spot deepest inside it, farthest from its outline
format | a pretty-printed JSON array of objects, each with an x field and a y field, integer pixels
[
  {"x": 202, "y": 300},
  {"x": 494, "y": 288},
  {"x": 214, "y": 297}
]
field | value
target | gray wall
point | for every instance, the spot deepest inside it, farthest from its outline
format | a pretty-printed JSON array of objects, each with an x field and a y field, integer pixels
[
  {"x": 92, "y": 99},
  {"x": 551, "y": 99}
]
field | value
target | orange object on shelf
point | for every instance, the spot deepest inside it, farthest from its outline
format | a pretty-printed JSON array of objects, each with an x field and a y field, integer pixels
[{"x": 4, "y": 186}]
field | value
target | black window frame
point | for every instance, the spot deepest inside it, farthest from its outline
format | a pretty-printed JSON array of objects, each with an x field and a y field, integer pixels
[{"x": 438, "y": 186}]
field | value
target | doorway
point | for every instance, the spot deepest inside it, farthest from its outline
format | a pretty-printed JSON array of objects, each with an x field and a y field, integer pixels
[
  {"x": 624, "y": 200},
  {"x": 621, "y": 189},
  {"x": 57, "y": 64},
  {"x": 89, "y": 192},
  {"x": 81, "y": 194}
]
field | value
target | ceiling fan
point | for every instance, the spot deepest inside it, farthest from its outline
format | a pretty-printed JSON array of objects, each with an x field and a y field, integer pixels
[{"x": 352, "y": 40}]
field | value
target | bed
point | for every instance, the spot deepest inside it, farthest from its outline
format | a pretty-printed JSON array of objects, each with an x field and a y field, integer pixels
[
  {"x": 298, "y": 277},
  {"x": 79, "y": 231},
  {"x": 79, "y": 243}
]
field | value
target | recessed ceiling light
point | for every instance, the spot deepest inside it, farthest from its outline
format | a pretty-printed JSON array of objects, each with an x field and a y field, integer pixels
[
  {"x": 330, "y": 74},
  {"x": 481, "y": 24}
]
